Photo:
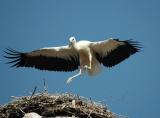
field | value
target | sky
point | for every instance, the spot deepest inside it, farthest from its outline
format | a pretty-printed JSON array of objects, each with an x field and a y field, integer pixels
[{"x": 130, "y": 88}]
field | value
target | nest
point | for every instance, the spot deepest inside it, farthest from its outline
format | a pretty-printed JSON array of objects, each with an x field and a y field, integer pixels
[{"x": 54, "y": 105}]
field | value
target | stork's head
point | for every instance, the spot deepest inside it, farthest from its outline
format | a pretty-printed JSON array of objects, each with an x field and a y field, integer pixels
[{"x": 72, "y": 41}]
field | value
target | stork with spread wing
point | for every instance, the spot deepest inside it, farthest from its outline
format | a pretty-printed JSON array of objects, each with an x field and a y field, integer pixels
[{"x": 84, "y": 55}]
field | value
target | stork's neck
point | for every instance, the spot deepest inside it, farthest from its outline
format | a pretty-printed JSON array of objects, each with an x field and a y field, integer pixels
[{"x": 74, "y": 45}]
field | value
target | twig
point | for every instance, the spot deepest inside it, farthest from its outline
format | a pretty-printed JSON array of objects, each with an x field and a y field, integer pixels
[
  {"x": 22, "y": 111},
  {"x": 89, "y": 115},
  {"x": 91, "y": 101},
  {"x": 44, "y": 84},
  {"x": 14, "y": 97},
  {"x": 78, "y": 97},
  {"x": 120, "y": 116},
  {"x": 74, "y": 103},
  {"x": 35, "y": 88}
]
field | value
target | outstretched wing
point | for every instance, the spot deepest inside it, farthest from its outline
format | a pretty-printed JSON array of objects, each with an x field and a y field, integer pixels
[
  {"x": 62, "y": 58},
  {"x": 111, "y": 52}
]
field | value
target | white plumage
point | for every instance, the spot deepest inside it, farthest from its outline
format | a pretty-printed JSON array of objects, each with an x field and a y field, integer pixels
[
  {"x": 32, "y": 115},
  {"x": 84, "y": 55}
]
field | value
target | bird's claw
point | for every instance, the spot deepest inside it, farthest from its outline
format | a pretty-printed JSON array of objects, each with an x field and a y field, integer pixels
[
  {"x": 69, "y": 80},
  {"x": 86, "y": 67}
]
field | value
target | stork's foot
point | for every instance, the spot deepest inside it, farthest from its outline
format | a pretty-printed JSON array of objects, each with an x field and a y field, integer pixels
[
  {"x": 69, "y": 80},
  {"x": 87, "y": 67},
  {"x": 73, "y": 77}
]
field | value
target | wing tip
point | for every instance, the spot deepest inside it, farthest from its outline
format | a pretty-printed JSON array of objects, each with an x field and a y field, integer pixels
[
  {"x": 14, "y": 57},
  {"x": 135, "y": 45}
]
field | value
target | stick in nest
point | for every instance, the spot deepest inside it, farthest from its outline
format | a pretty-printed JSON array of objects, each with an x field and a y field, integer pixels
[{"x": 35, "y": 88}]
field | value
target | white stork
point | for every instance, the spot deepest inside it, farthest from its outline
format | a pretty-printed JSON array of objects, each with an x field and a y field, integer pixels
[{"x": 84, "y": 55}]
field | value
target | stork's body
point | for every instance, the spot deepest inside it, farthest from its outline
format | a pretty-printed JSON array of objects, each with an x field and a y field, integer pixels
[
  {"x": 84, "y": 55},
  {"x": 87, "y": 61}
]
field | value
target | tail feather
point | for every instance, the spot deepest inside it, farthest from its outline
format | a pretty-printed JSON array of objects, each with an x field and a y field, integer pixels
[{"x": 95, "y": 69}]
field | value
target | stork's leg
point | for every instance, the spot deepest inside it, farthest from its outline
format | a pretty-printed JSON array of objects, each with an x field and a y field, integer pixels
[
  {"x": 71, "y": 78},
  {"x": 90, "y": 62}
]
